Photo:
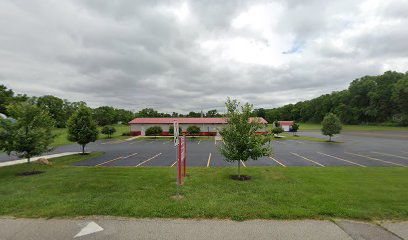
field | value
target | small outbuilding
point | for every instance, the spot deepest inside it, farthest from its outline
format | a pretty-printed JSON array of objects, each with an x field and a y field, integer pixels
[{"x": 286, "y": 125}]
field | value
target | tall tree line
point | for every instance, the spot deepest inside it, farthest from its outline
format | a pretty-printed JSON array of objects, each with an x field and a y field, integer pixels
[
  {"x": 370, "y": 99},
  {"x": 61, "y": 109}
]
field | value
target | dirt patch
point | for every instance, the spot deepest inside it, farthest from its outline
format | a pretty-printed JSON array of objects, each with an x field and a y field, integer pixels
[
  {"x": 240, "y": 178},
  {"x": 23, "y": 174}
]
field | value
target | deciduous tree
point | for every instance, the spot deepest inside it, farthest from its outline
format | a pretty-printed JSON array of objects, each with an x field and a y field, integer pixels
[
  {"x": 108, "y": 130},
  {"x": 331, "y": 125},
  {"x": 239, "y": 135},
  {"x": 29, "y": 134},
  {"x": 82, "y": 129}
]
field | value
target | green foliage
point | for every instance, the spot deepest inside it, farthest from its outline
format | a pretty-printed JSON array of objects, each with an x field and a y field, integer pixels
[
  {"x": 194, "y": 114},
  {"x": 123, "y": 116},
  {"x": 148, "y": 113},
  {"x": 82, "y": 129},
  {"x": 239, "y": 136},
  {"x": 276, "y": 128},
  {"x": 370, "y": 99},
  {"x": 171, "y": 129},
  {"x": 108, "y": 130},
  {"x": 30, "y": 134},
  {"x": 294, "y": 128},
  {"x": 154, "y": 131},
  {"x": 104, "y": 115},
  {"x": 213, "y": 113},
  {"x": 331, "y": 125},
  {"x": 400, "y": 94},
  {"x": 55, "y": 107},
  {"x": 193, "y": 130},
  {"x": 6, "y": 96}
]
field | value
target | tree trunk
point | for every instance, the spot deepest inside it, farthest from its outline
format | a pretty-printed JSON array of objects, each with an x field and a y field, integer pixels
[
  {"x": 83, "y": 149},
  {"x": 28, "y": 160},
  {"x": 329, "y": 138},
  {"x": 239, "y": 168}
]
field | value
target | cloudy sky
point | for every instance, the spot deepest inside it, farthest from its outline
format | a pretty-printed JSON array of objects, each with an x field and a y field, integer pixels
[{"x": 190, "y": 55}]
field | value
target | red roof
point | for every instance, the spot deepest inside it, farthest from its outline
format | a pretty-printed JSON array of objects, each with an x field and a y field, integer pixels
[
  {"x": 180, "y": 120},
  {"x": 286, "y": 123},
  {"x": 185, "y": 120}
]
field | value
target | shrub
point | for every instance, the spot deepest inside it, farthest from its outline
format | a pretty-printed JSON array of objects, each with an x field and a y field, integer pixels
[
  {"x": 193, "y": 130},
  {"x": 108, "y": 130},
  {"x": 276, "y": 128},
  {"x": 154, "y": 131},
  {"x": 294, "y": 128},
  {"x": 171, "y": 130}
]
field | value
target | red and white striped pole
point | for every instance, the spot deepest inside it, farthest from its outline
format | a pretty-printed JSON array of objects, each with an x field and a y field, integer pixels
[
  {"x": 179, "y": 161},
  {"x": 185, "y": 155}
]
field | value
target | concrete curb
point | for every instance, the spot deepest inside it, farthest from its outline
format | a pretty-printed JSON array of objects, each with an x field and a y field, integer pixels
[{"x": 20, "y": 161}]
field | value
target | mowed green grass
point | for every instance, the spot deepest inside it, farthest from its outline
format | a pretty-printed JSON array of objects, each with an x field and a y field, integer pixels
[
  {"x": 146, "y": 192},
  {"x": 61, "y": 134},
  {"x": 311, "y": 126},
  {"x": 290, "y": 136}
]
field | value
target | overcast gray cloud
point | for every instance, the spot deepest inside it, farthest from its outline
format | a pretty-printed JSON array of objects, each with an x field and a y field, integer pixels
[{"x": 190, "y": 55}]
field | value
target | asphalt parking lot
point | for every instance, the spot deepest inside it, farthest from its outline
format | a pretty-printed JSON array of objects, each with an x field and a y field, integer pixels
[
  {"x": 357, "y": 151},
  {"x": 360, "y": 150}
]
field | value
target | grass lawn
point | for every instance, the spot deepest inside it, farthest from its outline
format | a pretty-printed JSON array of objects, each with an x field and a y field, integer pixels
[
  {"x": 273, "y": 193},
  {"x": 311, "y": 126},
  {"x": 290, "y": 136},
  {"x": 61, "y": 134}
]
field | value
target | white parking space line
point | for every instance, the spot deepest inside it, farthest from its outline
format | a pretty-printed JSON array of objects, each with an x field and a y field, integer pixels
[
  {"x": 209, "y": 160},
  {"x": 283, "y": 165},
  {"x": 128, "y": 156},
  {"x": 145, "y": 161},
  {"x": 167, "y": 141},
  {"x": 199, "y": 142},
  {"x": 341, "y": 159},
  {"x": 173, "y": 163},
  {"x": 100, "y": 164},
  {"x": 243, "y": 164},
  {"x": 307, "y": 159},
  {"x": 375, "y": 159},
  {"x": 153, "y": 141},
  {"x": 391, "y": 155}
]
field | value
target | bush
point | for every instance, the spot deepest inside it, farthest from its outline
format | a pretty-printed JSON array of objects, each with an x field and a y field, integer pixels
[
  {"x": 277, "y": 130},
  {"x": 193, "y": 130},
  {"x": 108, "y": 130},
  {"x": 154, "y": 131},
  {"x": 294, "y": 128},
  {"x": 171, "y": 130}
]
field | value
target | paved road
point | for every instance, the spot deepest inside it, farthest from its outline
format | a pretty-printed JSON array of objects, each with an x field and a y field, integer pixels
[
  {"x": 104, "y": 228},
  {"x": 356, "y": 150}
]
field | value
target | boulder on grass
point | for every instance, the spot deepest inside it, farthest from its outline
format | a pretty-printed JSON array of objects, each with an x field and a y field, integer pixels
[{"x": 44, "y": 161}]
